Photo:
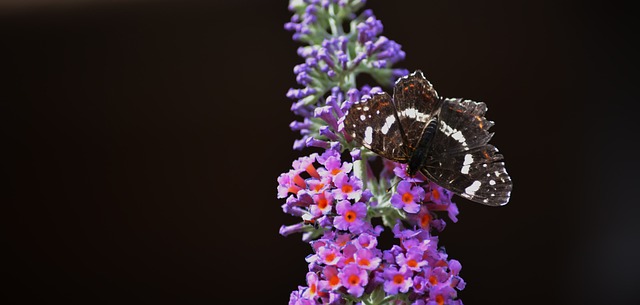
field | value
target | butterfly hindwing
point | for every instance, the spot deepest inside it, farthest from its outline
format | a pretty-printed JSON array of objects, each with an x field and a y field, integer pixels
[
  {"x": 476, "y": 174},
  {"x": 460, "y": 158},
  {"x": 373, "y": 123}
]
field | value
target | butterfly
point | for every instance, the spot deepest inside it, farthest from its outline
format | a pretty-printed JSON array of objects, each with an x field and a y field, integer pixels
[{"x": 446, "y": 139}]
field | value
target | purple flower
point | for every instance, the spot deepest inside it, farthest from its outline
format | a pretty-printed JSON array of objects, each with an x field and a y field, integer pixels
[
  {"x": 366, "y": 259},
  {"x": 400, "y": 170},
  {"x": 287, "y": 230},
  {"x": 438, "y": 195},
  {"x": 350, "y": 216},
  {"x": 332, "y": 279},
  {"x": 420, "y": 284},
  {"x": 369, "y": 29},
  {"x": 347, "y": 187},
  {"x": 412, "y": 260},
  {"x": 366, "y": 241},
  {"x": 354, "y": 279},
  {"x": 441, "y": 294},
  {"x": 290, "y": 182},
  {"x": 323, "y": 203},
  {"x": 397, "y": 280},
  {"x": 407, "y": 197},
  {"x": 312, "y": 291},
  {"x": 329, "y": 255},
  {"x": 333, "y": 166}
]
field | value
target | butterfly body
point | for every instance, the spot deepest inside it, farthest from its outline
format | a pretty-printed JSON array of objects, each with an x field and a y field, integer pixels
[
  {"x": 445, "y": 139},
  {"x": 419, "y": 154}
]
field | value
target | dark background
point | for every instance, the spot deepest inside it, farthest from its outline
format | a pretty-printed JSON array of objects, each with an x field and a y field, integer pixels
[{"x": 143, "y": 140}]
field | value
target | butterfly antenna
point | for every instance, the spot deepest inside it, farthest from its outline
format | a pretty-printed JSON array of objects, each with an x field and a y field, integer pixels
[{"x": 394, "y": 185}]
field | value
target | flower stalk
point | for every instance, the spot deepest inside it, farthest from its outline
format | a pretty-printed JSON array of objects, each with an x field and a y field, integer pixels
[{"x": 335, "y": 191}]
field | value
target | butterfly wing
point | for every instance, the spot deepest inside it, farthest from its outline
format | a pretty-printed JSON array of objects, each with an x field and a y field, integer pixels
[
  {"x": 460, "y": 158},
  {"x": 417, "y": 103},
  {"x": 374, "y": 124}
]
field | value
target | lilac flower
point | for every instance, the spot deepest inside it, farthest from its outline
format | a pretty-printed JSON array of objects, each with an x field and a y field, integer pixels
[
  {"x": 412, "y": 260},
  {"x": 312, "y": 291},
  {"x": 323, "y": 203},
  {"x": 354, "y": 279},
  {"x": 366, "y": 241},
  {"x": 397, "y": 280},
  {"x": 439, "y": 293},
  {"x": 351, "y": 216},
  {"x": 290, "y": 182},
  {"x": 333, "y": 166},
  {"x": 438, "y": 195},
  {"x": 400, "y": 170},
  {"x": 347, "y": 187},
  {"x": 329, "y": 255},
  {"x": 316, "y": 186},
  {"x": 407, "y": 197},
  {"x": 366, "y": 259},
  {"x": 420, "y": 284},
  {"x": 332, "y": 282}
]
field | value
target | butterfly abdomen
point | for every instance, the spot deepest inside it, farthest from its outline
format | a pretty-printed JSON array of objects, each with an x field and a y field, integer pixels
[{"x": 419, "y": 156}]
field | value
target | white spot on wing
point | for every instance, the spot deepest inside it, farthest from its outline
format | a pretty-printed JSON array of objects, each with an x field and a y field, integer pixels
[
  {"x": 492, "y": 182},
  {"x": 362, "y": 117},
  {"x": 414, "y": 114},
  {"x": 473, "y": 188},
  {"x": 468, "y": 159},
  {"x": 368, "y": 135},
  {"x": 388, "y": 123},
  {"x": 454, "y": 133}
]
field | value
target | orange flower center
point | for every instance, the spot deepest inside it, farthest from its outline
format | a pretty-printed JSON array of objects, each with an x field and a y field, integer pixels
[
  {"x": 425, "y": 220},
  {"x": 349, "y": 260},
  {"x": 364, "y": 262},
  {"x": 335, "y": 171},
  {"x": 440, "y": 299},
  {"x": 322, "y": 202},
  {"x": 318, "y": 187},
  {"x": 412, "y": 263},
  {"x": 433, "y": 280},
  {"x": 354, "y": 280},
  {"x": 407, "y": 198},
  {"x": 330, "y": 257},
  {"x": 334, "y": 280},
  {"x": 313, "y": 289},
  {"x": 350, "y": 216},
  {"x": 347, "y": 189},
  {"x": 398, "y": 279},
  {"x": 435, "y": 194}
]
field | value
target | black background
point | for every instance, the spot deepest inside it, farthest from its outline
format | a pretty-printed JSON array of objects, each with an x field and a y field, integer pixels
[{"x": 143, "y": 140}]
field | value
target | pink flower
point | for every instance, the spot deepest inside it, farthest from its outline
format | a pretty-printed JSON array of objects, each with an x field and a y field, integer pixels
[
  {"x": 407, "y": 197},
  {"x": 397, "y": 280},
  {"x": 354, "y": 279}
]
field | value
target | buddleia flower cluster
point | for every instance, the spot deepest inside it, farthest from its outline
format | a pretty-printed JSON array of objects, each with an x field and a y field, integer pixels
[{"x": 338, "y": 191}]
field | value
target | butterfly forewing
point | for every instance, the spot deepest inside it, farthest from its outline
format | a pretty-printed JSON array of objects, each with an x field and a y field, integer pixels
[
  {"x": 460, "y": 158},
  {"x": 461, "y": 126},
  {"x": 374, "y": 124},
  {"x": 417, "y": 103}
]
